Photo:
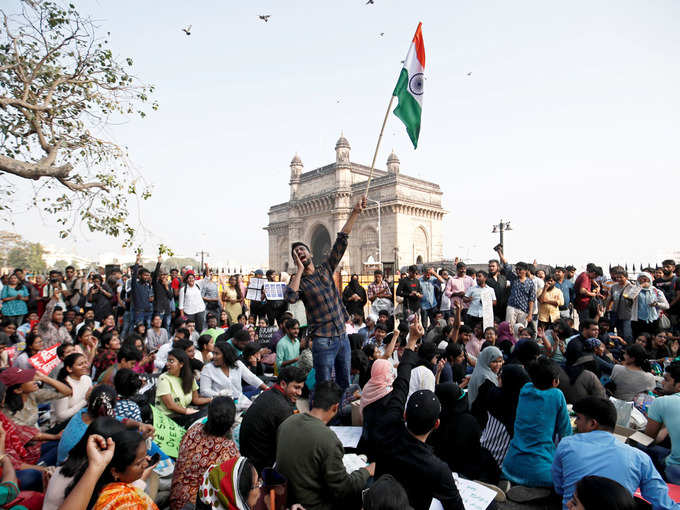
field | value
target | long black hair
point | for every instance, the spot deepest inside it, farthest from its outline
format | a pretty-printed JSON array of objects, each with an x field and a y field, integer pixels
[
  {"x": 76, "y": 462},
  {"x": 639, "y": 356},
  {"x": 69, "y": 361},
  {"x": 185, "y": 374},
  {"x": 229, "y": 354},
  {"x": 20, "y": 284},
  {"x": 102, "y": 401},
  {"x": 127, "y": 442},
  {"x": 237, "y": 287},
  {"x": 30, "y": 338},
  {"x": 221, "y": 415}
]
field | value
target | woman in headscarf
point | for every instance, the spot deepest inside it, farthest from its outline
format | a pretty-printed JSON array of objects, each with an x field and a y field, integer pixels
[
  {"x": 375, "y": 397},
  {"x": 379, "y": 385},
  {"x": 505, "y": 339},
  {"x": 232, "y": 485},
  {"x": 646, "y": 305},
  {"x": 354, "y": 296},
  {"x": 456, "y": 440},
  {"x": 422, "y": 378},
  {"x": 484, "y": 372},
  {"x": 501, "y": 410}
]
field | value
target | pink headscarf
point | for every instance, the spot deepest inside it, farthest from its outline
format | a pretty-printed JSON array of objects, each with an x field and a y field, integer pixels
[
  {"x": 504, "y": 333},
  {"x": 380, "y": 383}
]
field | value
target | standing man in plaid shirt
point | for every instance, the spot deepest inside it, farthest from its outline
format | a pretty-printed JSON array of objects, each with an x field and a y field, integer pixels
[
  {"x": 326, "y": 315},
  {"x": 379, "y": 294}
]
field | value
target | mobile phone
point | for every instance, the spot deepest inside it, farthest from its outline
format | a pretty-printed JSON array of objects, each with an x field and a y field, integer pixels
[
  {"x": 155, "y": 458},
  {"x": 411, "y": 318}
]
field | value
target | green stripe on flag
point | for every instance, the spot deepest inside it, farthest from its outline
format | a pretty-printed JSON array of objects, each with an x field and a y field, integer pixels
[{"x": 409, "y": 109}]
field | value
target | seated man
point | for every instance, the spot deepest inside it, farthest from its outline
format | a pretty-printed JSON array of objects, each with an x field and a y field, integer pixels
[
  {"x": 595, "y": 451},
  {"x": 401, "y": 450},
  {"x": 541, "y": 416},
  {"x": 666, "y": 411},
  {"x": 309, "y": 455},
  {"x": 267, "y": 412}
]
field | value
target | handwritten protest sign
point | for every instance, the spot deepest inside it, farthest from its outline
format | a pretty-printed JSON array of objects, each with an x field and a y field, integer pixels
[
  {"x": 274, "y": 290},
  {"x": 167, "y": 433},
  {"x": 475, "y": 496},
  {"x": 46, "y": 360}
]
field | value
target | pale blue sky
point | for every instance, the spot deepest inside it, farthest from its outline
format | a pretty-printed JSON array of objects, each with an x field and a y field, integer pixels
[{"x": 569, "y": 121}]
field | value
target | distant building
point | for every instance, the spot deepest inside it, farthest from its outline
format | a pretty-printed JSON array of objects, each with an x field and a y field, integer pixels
[{"x": 321, "y": 200}]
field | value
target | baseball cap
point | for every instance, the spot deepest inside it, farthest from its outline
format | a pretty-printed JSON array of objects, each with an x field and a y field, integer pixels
[
  {"x": 422, "y": 412},
  {"x": 16, "y": 375},
  {"x": 259, "y": 272}
]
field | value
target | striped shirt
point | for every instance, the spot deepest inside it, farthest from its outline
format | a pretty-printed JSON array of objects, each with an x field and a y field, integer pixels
[{"x": 326, "y": 315}]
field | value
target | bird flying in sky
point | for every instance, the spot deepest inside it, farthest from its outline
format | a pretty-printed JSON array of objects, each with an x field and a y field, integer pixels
[
  {"x": 187, "y": 30},
  {"x": 265, "y": 17}
]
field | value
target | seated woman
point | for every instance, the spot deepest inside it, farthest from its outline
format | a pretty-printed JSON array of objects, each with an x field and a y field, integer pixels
[
  {"x": 34, "y": 345},
  {"x": 86, "y": 343},
  {"x": 204, "y": 349},
  {"x": 234, "y": 484},
  {"x": 101, "y": 402},
  {"x": 222, "y": 376},
  {"x": 204, "y": 445},
  {"x": 541, "y": 415},
  {"x": 127, "y": 384},
  {"x": 176, "y": 390},
  {"x": 633, "y": 376},
  {"x": 484, "y": 378},
  {"x": 25, "y": 448},
  {"x": 23, "y": 394},
  {"x": 501, "y": 407},
  {"x": 75, "y": 464},
  {"x": 108, "y": 325},
  {"x": 456, "y": 440},
  {"x": 108, "y": 352},
  {"x": 146, "y": 365},
  {"x": 74, "y": 373},
  {"x": 118, "y": 486}
]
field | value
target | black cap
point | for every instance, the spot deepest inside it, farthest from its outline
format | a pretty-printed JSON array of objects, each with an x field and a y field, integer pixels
[{"x": 422, "y": 412}]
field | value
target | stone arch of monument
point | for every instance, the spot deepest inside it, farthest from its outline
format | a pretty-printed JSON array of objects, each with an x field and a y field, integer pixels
[
  {"x": 369, "y": 244},
  {"x": 320, "y": 243},
  {"x": 421, "y": 252}
]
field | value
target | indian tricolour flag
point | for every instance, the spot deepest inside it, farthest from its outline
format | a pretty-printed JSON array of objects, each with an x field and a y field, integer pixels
[{"x": 409, "y": 89}]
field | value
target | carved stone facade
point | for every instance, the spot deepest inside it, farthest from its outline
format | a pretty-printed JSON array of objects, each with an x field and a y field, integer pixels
[{"x": 321, "y": 200}]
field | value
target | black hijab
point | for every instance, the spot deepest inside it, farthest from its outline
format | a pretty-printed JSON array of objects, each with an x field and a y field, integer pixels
[{"x": 503, "y": 401}]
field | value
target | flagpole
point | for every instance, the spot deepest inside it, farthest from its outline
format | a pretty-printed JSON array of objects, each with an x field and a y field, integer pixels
[{"x": 377, "y": 146}]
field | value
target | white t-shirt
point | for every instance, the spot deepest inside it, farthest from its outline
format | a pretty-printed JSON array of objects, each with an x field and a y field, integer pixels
[{"x": 477, "y": 294}]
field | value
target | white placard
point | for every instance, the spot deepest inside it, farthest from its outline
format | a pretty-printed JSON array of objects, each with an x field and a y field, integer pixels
[
  {"x": 254, "y": 291},
  {"x": 475, "y": 496},
  {"x": 352, "y": 462},
  {"x": 274, "y": 291},
  {"x": 348, "y": 436}
]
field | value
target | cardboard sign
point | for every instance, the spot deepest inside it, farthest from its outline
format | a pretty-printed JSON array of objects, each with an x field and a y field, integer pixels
[
  {"x": 167, "y": 433},
  {"x": 46, "y": 360}
]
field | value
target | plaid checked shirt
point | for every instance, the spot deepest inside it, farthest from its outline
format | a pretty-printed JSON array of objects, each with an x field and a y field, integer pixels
[{"x": 326, "y": 315}]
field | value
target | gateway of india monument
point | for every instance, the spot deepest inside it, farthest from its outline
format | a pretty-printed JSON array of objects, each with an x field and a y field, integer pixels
[{"x": 407, "y": 229}]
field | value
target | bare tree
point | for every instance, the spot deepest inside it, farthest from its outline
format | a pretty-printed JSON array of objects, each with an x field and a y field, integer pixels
[{"x": 60, "y": 85}]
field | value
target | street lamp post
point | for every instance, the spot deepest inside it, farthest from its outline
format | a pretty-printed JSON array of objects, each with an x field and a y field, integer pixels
[
  {"x": 500, "y": 228},
  {"x": 202, "y": 254},
  {"x": 379, "y": 231}
]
